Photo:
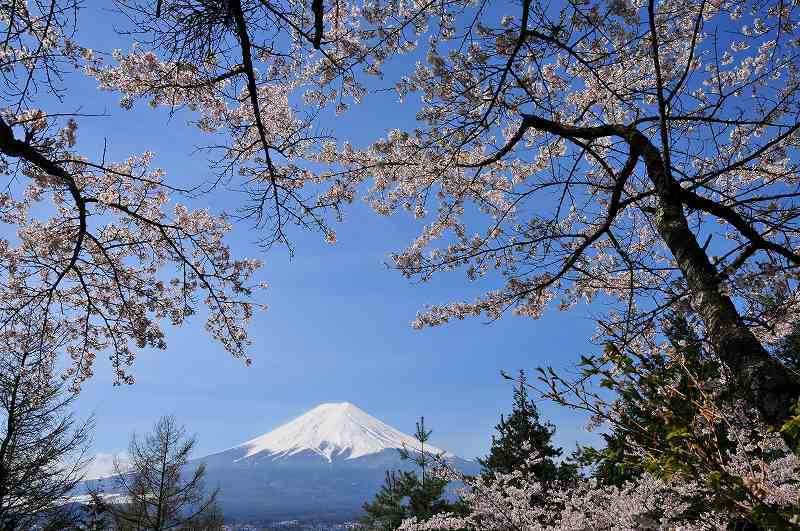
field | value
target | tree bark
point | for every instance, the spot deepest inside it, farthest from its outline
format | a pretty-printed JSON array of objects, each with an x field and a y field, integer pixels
[
  {"x": 762, "y": 379},
  {"x": 759, "y": 378}
]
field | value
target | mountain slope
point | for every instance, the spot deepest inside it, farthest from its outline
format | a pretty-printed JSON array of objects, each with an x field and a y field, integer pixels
[
  {"x": 322, "y": 465},
  {"x": 332, "y": 431}
]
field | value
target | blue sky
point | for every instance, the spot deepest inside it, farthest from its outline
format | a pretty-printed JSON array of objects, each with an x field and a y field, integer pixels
[{"x": 338, "y": 324}]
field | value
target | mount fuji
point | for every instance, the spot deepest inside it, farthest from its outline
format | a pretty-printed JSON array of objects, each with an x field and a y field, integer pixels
[
  {"x": 331, "y": 431},
  {"x": 323, "y": 465}
]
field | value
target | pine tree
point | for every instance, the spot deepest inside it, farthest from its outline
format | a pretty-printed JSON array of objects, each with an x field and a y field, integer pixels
[
  {"x": 90, "y": 516},
  {"x": 520, "y": 435},
  {"x": 406, "y": 494},
  {"x": 420, "y": 457},
  {"x": 96, "y": 514}
]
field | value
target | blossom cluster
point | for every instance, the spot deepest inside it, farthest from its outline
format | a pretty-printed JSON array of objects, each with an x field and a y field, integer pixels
[
  {"x": 504, "y": 501},
  {"x": 98, "y": 254}
]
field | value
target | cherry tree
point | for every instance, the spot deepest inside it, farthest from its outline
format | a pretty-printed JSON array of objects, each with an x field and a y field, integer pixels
[
  {"x": 636, "y": 154},
  {"x": 639, "y": 154},
  {"x": 503, "y": 501},
  {"x": 257, "y": 75},
  {"x": 116, "y": 259},
  {"x": 94, "y": 249},
  {"x": 724, "y": 469},
  {"x": 261, "y": 73}
]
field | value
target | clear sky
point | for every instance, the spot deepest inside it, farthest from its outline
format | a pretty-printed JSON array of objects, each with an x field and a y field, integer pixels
[{"x": 338, "y": 324}]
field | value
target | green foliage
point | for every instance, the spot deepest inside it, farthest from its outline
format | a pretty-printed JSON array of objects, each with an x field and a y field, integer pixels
[
  {"x": 523, "y": 443},
  {"x": 791, "y": 428},
  {"x": 406, "y": 494},
  {"x": 668, "y": 405},
  {"x": 421, "y": 457},
  {"x": 387, "y": 510},
  {"x": 521, "y": 435},
  {"x": 788, "y": 352},
  {"x": 648, "y": 417}
]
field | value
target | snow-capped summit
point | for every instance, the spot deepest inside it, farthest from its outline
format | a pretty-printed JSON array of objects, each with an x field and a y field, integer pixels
[
  {"x": 332, "y": 430},
  {"x": 322, "y": 465}
]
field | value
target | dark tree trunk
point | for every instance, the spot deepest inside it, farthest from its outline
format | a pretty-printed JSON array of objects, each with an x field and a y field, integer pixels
[{"x": 761, "y": 378}]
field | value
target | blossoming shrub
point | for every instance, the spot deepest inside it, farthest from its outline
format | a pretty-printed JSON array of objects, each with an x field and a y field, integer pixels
[
  {"x": 683, "y": 451},
  {"x": 755, "y": 483}
]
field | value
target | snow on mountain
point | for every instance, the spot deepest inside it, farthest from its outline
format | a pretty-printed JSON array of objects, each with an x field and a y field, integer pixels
[
  {"x": 334, "y": 430},
  {"x": 321, "y": 466}
]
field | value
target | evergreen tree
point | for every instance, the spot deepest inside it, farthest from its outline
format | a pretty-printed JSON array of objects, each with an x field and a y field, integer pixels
[
  {"x": 648, "y": 419},
  {"x": 387, "y": 510},
  {"x": 419, "y": 456},
  {"x": 519, "y": 436},
  {"x": 408, "y": 494},
  {"x": 665, "y": 424},
  {"x": 90, "y": 516},
  {"x": 523, "y": 443}
]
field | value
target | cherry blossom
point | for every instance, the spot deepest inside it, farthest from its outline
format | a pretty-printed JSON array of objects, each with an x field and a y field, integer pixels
[
  {"x": 626, "y": 153},
  {"x": 98, "y": 252}
]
